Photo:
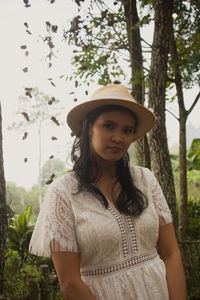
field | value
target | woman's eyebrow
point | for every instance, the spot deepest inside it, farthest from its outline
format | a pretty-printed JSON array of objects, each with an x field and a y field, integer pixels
[{"x": 115, "y": 123}]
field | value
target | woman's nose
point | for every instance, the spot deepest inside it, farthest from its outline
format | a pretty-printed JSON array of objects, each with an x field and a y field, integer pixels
[{"x": 117, "y": 137}]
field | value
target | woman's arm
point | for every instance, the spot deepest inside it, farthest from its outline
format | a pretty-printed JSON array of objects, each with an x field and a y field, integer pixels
[
  {"x": 68, "y": 271},
  {"x": 169, "y": 252}
]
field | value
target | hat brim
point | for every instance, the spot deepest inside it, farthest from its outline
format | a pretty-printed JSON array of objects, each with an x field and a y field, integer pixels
[{"x": 145, "y": 118}]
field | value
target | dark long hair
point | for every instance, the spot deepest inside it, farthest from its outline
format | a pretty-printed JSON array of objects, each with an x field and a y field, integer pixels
[{"x": 131, "y": 200}]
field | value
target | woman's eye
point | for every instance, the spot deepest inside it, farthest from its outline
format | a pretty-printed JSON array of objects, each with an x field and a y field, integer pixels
[
  {"x": 128, "y": 131},
  {"x": 107, "y": 125}
]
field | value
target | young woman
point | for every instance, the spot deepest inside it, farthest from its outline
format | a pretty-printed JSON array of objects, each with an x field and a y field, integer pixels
[{"x": 105, "y": 222}]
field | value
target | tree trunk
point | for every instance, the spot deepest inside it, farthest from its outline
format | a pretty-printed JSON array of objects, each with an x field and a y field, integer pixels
[
  {"x": 137, "y": 78},
  {"x": 160, "y": 158},
  {"x": 182, "y": 175},
  {"x": 183, "y": 114},
  {"x": 3, "y": 214}
]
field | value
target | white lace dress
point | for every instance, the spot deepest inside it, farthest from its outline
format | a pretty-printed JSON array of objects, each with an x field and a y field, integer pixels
[{"x": 118, "y": 256}]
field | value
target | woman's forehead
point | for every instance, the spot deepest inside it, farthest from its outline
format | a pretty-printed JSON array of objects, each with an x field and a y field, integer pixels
[{"x": 118, "y": 115}]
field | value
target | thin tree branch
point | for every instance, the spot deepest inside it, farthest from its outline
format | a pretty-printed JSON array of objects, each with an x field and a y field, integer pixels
[
  {"x": 146, "y": 69},
  {"x": 146, "y": 42},
  {"x": 194, "y": 103},
  {"x": 172, "y": 114}
]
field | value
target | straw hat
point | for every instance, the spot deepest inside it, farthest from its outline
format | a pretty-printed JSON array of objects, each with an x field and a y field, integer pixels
[{"x": 113, "y": 94}]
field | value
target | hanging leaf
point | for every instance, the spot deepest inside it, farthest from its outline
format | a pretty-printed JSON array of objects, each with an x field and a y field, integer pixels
[
  {"x": 50, "y": 180},
  {"x": 54, "y": 138},
  {"x": 28, "y": 92},
  {"x": 82, "y": 68},
  {"x": 25, "y": 70},
  {"x": 26, "y": 24},
  {"x": 54, "y": 28},
  {"x": 25, "y": 116},
  {"x": 48, "y": 24},
  {"x": 55, "y": 120},
  {"x": 117, "y": 82},
  {"x": 51, "y": 157},
  {"x": 51, "y": 100},
  {"x": 25, "y": 135},
  {"x": 25, "y": 159},
  {"x": 86, "y": 92},
  {"x": 75, "y": 99},
  {"x": 53, "y": 84},
  {"x": 23, "y": 47},
  {"x": 76, "y": 83},
  {"x": 50, "y": 44},
  {"x": 76, "y": 58},
  {"x": 28, "y": 31},
  {"x": 26, "y": 53},
  {"x": 78, "y": 2}
]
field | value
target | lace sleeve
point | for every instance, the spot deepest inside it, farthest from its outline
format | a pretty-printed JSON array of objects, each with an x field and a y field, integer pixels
[
  {"x": 54, "y": 229},
  {"x": 160, "y": 203}
]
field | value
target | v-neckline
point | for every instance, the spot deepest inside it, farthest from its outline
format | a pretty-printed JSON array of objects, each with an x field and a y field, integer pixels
[{"x": 110, "y": 204}]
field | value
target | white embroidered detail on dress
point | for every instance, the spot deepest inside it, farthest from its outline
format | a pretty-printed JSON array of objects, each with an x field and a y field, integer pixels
[
  {"x": 60, "y": 224},
  {"x": 128, "y": 233},
  {"x": 131, "y": 225},
  {"x": 160, "y": 203},
  {"x": 124, "y": 264}
]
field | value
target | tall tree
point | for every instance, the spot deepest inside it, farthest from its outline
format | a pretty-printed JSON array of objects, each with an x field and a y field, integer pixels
[
  {"x": 137, "y": 75},
  {"x": 185, "y": 63},
  {"x": 3, "y": 213},
  {"x": 161, "y": 164}
]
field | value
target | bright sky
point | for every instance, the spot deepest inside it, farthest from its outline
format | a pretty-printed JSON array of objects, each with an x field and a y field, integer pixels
[{"x": 13, "y": 34}]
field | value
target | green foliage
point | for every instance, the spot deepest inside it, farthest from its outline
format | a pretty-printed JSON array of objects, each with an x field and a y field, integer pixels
[
  {"x": 174, "y": 162},
  {"x": 21, "y": 267},
  {"x": 99, "y": 46},
  {"x": 193, "y": 177},
  {"x": 16, "y": 275},
  {"x": 31, "y": 198},
  {"x": 187, "y": 35},
  {"x": 15, "y": 197},
  {"x": 194, "y": 155},
  {"x": 18, "y": 198},
  {"x": 19, "y": 234},
  {"x": 194, "y": 218}
]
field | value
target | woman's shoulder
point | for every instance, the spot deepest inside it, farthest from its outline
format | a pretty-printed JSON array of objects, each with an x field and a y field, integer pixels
[
  {"x": 66, "y": 182},
  {"x": 141, "y": 174}
]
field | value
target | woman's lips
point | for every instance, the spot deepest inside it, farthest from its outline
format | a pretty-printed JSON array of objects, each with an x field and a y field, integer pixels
[{"x": 115, "y": 149}]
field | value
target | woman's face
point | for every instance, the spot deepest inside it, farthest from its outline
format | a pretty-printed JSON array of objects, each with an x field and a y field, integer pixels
[{"x": 111, "y": 135}]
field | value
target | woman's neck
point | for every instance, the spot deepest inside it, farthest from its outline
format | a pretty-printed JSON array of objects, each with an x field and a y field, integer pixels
[
  {"x": 108, "y": 182},
  {"x": 108, "y": 169}
]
